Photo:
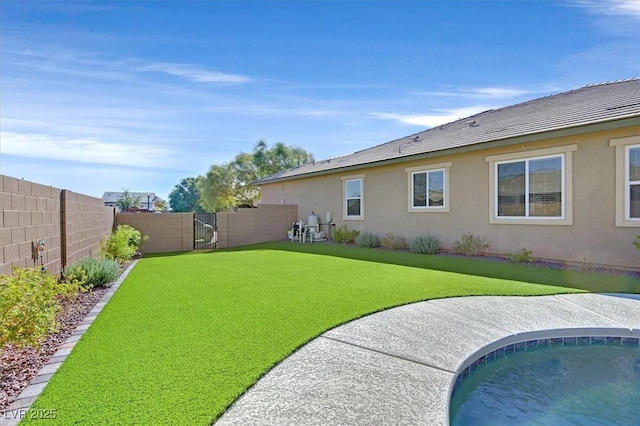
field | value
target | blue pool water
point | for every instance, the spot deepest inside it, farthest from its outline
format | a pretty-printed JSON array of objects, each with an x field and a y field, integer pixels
[{"x": 564, "y": 385}]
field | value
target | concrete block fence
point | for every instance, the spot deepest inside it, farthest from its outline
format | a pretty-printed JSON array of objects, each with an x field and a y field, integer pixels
[
  {"x": 72, "y": 225},
  {"x": 173, "y": 232}
]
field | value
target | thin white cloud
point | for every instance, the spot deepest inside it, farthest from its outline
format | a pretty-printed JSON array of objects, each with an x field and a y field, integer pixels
[
  {"x": 193, "y": 73},
  {"x": 93, "y": 65},
  {"x": 431, "y": 120},
  {"x": 629, "y": 8},
  {"x": 487, "y": 92},
  {"x": 43, "y": 146}
]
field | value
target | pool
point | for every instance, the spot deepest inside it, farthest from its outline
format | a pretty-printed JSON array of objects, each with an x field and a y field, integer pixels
[{"x": 573, "y": 381}]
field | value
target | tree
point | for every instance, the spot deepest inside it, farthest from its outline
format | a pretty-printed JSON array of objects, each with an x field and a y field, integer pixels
[
  {"x": 231, "y": 184},
  {"x": 278, "y": 158},
  {"x": 218, "y": 188},
  {"x": 159, "y": 204},
  {"x": 127, "y": 201},
  {"x": 185, "y": 197}
]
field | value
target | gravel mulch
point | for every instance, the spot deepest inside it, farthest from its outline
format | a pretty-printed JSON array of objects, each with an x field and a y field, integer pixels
[{"x": 19, "y": 366}]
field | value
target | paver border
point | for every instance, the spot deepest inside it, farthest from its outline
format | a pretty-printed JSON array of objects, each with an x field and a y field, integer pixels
[{"x": 19, "y": 408}]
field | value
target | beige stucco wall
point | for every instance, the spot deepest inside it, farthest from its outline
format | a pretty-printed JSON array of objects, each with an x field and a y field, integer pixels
[
  {"x": 31, "y": 211},
  {"x": 591, "y": 238}
]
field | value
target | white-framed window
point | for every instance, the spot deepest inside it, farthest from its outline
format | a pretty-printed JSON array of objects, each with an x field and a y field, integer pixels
[
  {"x": 627, "y": 180},
  {"x": 532, "y": 187},
  {"x": 632, "y": 182},
  {"x": 429, "y": 187},
  {"x": 353, "y": 208}
]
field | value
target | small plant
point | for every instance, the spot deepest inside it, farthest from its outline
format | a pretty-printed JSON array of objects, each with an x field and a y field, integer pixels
[
  {"x": 471, "y": 245},
  {"x": 91, "y": 272},
  {"x": 122, "y": 245},
  {"x": 636, "y": 242},
  {"x": 425, "y": 244},
  {"x": 393, "y": 242},
  {"x": 523, "y": 256},
  {"x": 344, "y": 235},
  {"x": 28, "y": 306},
  {"x": 367, "y": 240}
]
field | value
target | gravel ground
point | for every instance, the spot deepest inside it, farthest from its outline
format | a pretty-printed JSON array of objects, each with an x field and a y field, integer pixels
[{"x": 19, "y": 366}]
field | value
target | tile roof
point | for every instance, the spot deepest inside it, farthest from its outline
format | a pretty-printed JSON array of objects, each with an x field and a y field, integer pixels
[
  {"x": 114, "y": 196},
  {"x": 592, "y": 104}
]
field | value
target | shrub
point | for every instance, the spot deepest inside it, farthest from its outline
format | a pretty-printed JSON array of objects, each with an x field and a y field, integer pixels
[
  {"x": 636, "y": 242},
  {"x": 28, "y": 306},
  {"x": 425, "y": 244},
  {"x": 393, "y": 242},
  {"x": 471, "y": 245},
  {"x": 91, "y": 272},
  {"x": 523, "y": 256},
  {"x": 122, "y": 244},
  {"x": 344, "y": 235},
  {"x": 367, "y": 240}
]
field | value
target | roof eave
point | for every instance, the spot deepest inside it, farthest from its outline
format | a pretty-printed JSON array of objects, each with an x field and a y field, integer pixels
[{"x": 496, "y": 143}]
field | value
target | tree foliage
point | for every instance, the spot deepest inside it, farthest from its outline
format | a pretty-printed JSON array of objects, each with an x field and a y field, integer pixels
[
  {"x": 231, "y": 184},
  {"x": 159, "y": 204},
  {"x": 278, "y": 158},
  {"x": 185, "y": 197},
  {"x": 127, "y": 201}
]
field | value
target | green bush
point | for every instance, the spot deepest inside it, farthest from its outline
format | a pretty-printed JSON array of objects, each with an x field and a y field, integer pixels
[
  {"x": 122, "y": 244},
  {"x": 367, "y": 240},
  {"x": 425, "y": 244},
  {"x": 471, "y": 245},
  {"x": 393, "y": 242},
  {"x": 29, "y": 304},
  {"x": 344, "y": 235},
  {"x": 636, "y": 242},
  {"x": 523, "y": 256},
  {"x": 91, "y": 272}
]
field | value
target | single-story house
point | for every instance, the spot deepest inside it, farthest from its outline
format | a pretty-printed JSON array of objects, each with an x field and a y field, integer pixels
[
  {"x": 145, "y": 200},
  {"x": 558, "y": 175}
]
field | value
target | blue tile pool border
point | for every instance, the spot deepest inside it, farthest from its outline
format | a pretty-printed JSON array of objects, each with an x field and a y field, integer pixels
[{"x": 534, "y": 344}]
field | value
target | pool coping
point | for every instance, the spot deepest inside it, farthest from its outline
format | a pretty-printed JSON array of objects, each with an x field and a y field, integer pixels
[
  {"x": 392, "y": 368},
  {"x": 21, "y": 407},
  {"x": 532, "y": 341}
]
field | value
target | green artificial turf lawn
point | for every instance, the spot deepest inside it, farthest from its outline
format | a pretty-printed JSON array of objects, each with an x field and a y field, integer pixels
[{"x": 185, "y": 335}]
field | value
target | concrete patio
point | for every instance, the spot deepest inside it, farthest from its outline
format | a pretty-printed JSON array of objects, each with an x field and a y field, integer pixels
[{"x": 398, "y": 366}]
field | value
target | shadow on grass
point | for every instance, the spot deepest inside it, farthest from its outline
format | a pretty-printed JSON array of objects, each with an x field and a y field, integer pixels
[{"x": 579, "y": 279}]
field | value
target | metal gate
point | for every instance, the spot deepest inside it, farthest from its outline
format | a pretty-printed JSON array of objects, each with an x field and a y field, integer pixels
[{"x": 205, "y": 232}]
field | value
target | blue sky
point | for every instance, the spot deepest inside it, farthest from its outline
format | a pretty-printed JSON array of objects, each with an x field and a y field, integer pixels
[{"x": 102, "y": 95}]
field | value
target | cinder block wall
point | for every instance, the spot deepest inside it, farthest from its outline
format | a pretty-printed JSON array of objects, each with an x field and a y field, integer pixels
[
  {"x": 72, "y": 225},
  {"x": 31, "y": 211},
  {"x": 269, "y": 222},
  {"x": 166, "y": 232},
  {"x": 173, "y": 232},
  {"x": 85, "y": 222}
]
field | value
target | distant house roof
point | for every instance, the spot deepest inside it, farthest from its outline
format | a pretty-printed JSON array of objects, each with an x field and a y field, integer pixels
[
  {"x": 572, "y": 111},
  {"x": 114, "y": 196}
]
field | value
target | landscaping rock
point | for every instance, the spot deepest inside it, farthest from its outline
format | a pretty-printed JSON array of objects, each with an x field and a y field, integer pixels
[{"x": 19, "y": 366}]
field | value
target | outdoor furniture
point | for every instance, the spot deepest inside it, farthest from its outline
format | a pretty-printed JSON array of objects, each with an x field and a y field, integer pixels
[{"x": 297, "y": 232}]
